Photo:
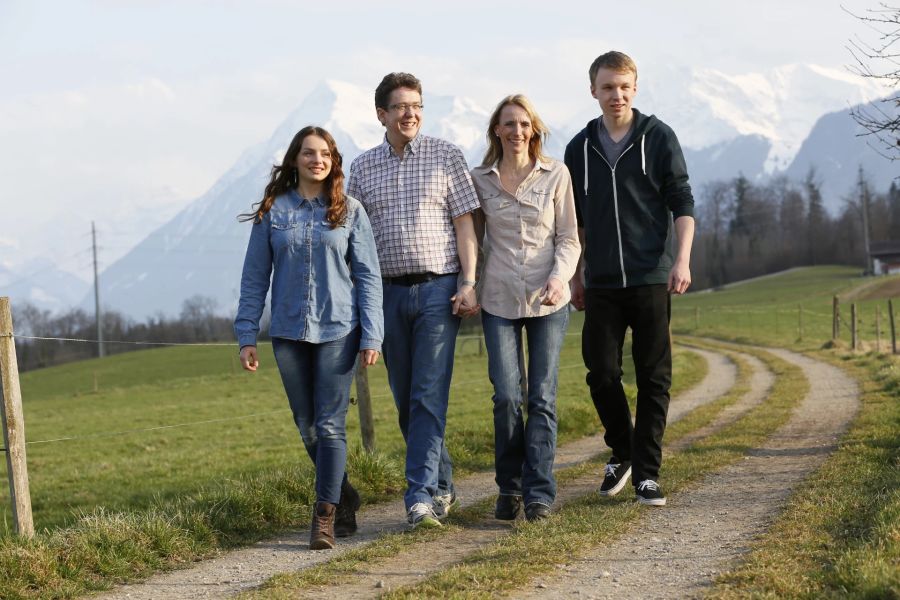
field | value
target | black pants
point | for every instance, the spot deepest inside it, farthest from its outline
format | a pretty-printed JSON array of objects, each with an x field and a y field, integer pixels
[{"x": 608, "y": 313}]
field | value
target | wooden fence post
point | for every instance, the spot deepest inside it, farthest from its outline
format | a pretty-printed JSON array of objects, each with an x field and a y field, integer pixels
[
  {"x": 835, "y": 318},
  {"x": 364, "y": 402},
  {"x": 854, "y": 339},
  {"x": 696, "y": 317},
  {"x": 800, "y": 322},
  {"x": 893, "y": 328},
  {"x": 877, "y": 328},
  {"x": 14, "y": 425}
]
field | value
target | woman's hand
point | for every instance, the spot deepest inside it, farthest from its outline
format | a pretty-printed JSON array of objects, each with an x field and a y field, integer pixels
[
  {"x": 367, "y": 357},
  {"x": 465, "y": 303},
  {"x": 552, "y": 292},
  {"x": 249, "y": 358}
]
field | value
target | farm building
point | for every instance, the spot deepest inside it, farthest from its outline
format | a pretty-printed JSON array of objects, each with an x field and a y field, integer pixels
[{"x": 885, "y": 257}]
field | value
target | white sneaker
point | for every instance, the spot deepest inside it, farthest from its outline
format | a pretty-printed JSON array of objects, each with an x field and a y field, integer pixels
[
  {"x": 443, "y": 503},
  {"x": 422, "y": 515}
]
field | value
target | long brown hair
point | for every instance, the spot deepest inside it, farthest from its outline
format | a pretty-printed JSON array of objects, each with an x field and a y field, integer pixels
[
  {"x": 540, "y": 132},
  {"x": 285, "y": 177}
]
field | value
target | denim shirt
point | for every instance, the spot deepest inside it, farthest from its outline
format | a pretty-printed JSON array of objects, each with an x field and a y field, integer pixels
[{"x": 325, "y": 281}]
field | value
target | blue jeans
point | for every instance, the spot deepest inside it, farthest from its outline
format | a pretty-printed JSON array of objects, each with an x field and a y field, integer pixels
[
  {"x": 524, "y": 450},
  {"x": 419, "y": 343},
  {"x": 317, "y": 379}
]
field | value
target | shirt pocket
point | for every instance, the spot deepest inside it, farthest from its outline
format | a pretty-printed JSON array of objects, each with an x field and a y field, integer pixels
[
  {"x": 283, "y": 234},
  {"x": 335, "y": 239},
  {"x": 537, "y": 209}
]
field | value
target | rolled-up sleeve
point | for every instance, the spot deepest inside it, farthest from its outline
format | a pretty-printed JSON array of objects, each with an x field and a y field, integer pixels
[{"x": 461, "y": 196}]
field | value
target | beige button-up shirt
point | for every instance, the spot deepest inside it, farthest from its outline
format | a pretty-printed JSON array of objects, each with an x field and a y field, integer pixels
[{"x": 529, "y": 237}]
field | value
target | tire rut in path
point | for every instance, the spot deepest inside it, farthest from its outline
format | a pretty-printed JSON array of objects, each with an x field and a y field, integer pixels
[
  {"x": 240, "y": 570},
  {"x": 677, "y": 551},
  {"x": 407, "y": 567}
]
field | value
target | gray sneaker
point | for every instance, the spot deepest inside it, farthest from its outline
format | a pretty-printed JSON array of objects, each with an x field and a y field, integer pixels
[
  {"x": 422, "y": 515},
  {"x": 443, "y": 503}
]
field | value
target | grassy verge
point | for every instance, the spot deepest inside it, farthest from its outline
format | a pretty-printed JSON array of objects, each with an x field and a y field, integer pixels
[
  {"x": 118, "y": 508},
  {"x": 344, "y": 568},
  {"x": 535, "y": 549},
  {"x": 839, "y": 536}
]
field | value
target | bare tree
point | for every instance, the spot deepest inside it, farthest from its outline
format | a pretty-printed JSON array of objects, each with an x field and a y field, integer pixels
[{"x": 880, "y": 61}]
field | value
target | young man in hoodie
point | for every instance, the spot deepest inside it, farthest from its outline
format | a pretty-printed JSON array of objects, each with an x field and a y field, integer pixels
[{"x": 630, "y": 182}]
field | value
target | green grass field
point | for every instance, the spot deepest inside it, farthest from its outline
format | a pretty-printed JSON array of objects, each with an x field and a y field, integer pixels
[
  {"x": 166, "y": 422},
  {"x": 144, "y": 460},
  {"x": 772, "y": 310}
]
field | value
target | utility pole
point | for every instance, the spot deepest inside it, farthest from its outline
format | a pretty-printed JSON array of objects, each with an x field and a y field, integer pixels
[
  {"x": 100, "y": 350},
  {"x": 864, "y": 205}
]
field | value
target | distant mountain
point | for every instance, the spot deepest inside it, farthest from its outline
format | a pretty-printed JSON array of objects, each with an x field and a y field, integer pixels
[
  {"x": 754, "y": 124},
  {"x": 41, "y": 283},
  {"x": 836, "y": 149},
  {"x": 201, "y": 250}
]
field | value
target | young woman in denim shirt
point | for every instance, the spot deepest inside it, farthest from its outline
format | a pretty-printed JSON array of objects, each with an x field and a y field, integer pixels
[
  {"x": 531, "y": 249},
  {"x": 316, "y": 244}
]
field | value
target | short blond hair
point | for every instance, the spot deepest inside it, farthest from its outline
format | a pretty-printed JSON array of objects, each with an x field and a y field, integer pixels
[{"x": 614, "y": 61}]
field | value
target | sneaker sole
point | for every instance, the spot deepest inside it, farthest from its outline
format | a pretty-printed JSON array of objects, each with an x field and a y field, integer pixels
[
  {"x": 652, "y": 501},
  {"x": 618, "y": 487}
]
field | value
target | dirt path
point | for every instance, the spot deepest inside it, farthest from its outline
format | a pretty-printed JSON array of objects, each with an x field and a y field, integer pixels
[
  {"x": 676, "y": 552},
  {"x": 406, "y": 568},
  {"x": 240, "y": 570}
]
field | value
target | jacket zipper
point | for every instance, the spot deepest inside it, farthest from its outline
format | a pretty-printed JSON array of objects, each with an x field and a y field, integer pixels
[{"x": 615, "y": 202}]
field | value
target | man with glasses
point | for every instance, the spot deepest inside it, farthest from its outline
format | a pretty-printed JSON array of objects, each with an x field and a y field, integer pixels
[{"x": 420, "y": 198}]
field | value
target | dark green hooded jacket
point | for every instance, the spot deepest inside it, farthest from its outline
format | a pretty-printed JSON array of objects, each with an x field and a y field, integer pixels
[{"x": 627, "y": 208}]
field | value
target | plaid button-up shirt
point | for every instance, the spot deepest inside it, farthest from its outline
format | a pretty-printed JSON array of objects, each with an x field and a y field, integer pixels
[{"x": 412, "y": 202}]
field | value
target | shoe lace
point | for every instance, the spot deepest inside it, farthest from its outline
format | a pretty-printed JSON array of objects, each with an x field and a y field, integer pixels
[
  {"x": 648, "y": 485},
  {"x": 421, "y": 509},
  {"x": 610, "y": 470}
]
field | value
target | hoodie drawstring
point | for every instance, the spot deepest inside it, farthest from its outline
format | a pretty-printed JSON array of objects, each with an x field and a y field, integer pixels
[
  {"x": 643, "y": 159},
  {"x": 585, "y": 166}
]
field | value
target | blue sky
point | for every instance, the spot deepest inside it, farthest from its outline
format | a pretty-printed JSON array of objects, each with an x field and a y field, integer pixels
[{"x": 112, "y": 107}]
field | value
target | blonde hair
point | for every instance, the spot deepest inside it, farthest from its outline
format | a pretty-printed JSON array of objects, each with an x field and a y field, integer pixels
[
  {"x": 540, "y": 132},
  {"x": 614, "y": 61}
]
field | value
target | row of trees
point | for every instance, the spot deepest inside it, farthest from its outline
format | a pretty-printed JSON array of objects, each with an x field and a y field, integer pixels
[
  {"x": 747, "y": 229},
  {"x": 199, "y": 321}
]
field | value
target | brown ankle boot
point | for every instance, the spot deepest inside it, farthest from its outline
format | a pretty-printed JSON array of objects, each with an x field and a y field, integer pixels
[{"x": 321, "y": 534}]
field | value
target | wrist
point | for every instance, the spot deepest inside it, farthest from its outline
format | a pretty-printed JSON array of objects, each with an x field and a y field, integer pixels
[{"x": 469, "y": 282}]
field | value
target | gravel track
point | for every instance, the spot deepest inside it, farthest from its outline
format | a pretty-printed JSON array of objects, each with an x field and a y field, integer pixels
[
  {"x": 677, "y": 551},
  {"x": 240, "y": 570}
]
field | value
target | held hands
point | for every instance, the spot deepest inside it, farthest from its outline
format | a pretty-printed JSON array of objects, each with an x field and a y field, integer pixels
[
  {"x": 552, "y": 292},
  {"x": 465, "y": 304},
  {"x": 249, "y": 358},
  {"x": 679, "y": 278},
  {"x": 577, "y": 292},
  {"x": 367, "y": 357}
]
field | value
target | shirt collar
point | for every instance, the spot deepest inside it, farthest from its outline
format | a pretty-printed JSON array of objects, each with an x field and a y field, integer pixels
[
  {"x": 495, "y": 168},
  {"x": 299, "y": 199},
  {"x": 413, "y": 145}
]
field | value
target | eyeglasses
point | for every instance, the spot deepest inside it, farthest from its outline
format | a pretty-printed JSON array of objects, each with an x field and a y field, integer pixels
[{"x": 403, "y": 106}]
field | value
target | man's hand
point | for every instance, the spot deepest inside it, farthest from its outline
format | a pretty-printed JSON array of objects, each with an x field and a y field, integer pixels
[
  {"x": 552, "y": 292},
  {"x": 249, "y": 358},
  {"x": 577, "y": 292},
  {"x": 368, "y": 357},
  {"x": 465, "y": 304},
  {"x": 679, "y": 278}
]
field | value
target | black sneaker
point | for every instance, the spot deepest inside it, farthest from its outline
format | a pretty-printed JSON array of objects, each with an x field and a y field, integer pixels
[
  {"x": 345, "y": 515},
  {"x": 508, "y": 507},
  {"x": 536, "y": 511},
  {"x": 615, "y": 476},
  {"x": 649, "y": 492}
]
